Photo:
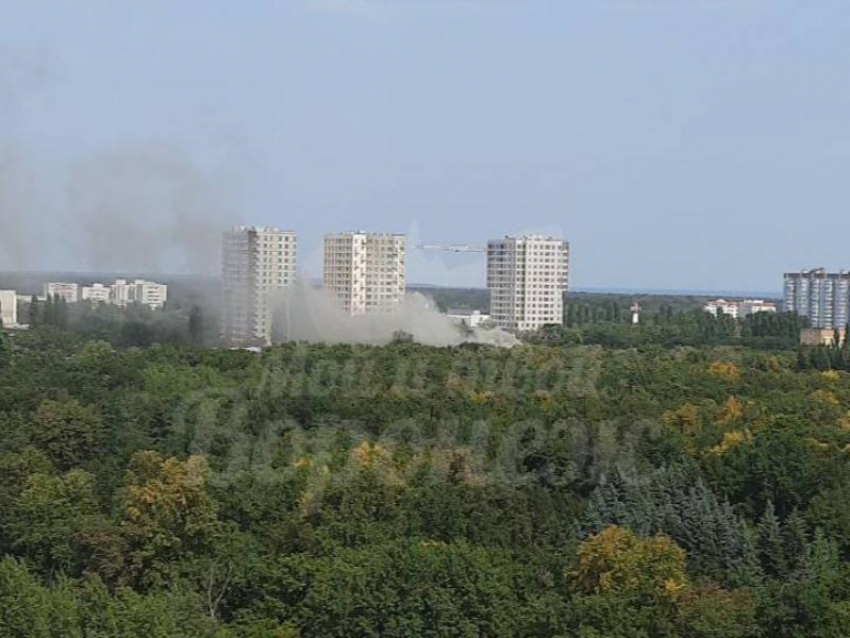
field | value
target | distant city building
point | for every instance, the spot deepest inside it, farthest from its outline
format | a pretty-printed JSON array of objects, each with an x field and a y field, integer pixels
[
  {"x": 121, "y": 293},
  {"x": 96, "y": 293},
  {"x": 635, "y": 312},
  {"x": 722, "y": 307},
  {"x": 749, "y": 307},
  {"x": 140, "y": 291},
  {"x": 739, "y": 309},
  {"x": 9, "y": 307},
  {"x": 822, "y": 336},
  {"x": 818, "y": 295},
  {"x": 69, "y": 292},
  {"x": 468, "y": 318},
  {"x": 365, "y": 272},
  {"x": 527, "y": 277},
  {"x": 150, "y": 293},
  {"x": 256, "y": 262}
]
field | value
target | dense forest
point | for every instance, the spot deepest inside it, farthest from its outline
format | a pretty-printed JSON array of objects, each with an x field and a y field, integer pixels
[{"x": 554, "y": 489}]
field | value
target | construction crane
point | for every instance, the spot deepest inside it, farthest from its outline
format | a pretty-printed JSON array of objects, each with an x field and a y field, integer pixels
[{"x": 451, "y": 248}]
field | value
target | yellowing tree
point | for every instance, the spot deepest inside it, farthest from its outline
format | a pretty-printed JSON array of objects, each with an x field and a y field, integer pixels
[
  {"x": 724, "y": 370},
  {"x": 616, "y": 561},
  {"x": 168, "y": 514},
  {"x": 733, "y": 410}
]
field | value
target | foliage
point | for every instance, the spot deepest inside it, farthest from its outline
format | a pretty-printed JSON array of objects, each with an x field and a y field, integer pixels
[{"x": 572, "y": 486}]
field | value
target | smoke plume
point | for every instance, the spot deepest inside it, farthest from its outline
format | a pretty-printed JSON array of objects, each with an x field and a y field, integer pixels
[
  {"x": 148, "y": 209},
  {"x": 305, "y": 313},
  {"x": 18, "y": 244}
]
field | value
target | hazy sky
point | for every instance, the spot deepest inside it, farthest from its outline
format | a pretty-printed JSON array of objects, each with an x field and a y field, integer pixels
[{"x": 700, "y": 144}]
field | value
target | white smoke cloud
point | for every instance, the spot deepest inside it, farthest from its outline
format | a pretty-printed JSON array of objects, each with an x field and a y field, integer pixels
[{"x": 306, "y": 313}]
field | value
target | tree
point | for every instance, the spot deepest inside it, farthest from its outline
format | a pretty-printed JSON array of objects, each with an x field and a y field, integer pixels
[
  {"x": 34, "y": 312},
  {"x": 68, "y": 432},
  {"x": 634, "y": 587},
  {"x": 136, "y": 333},
  {"x": 4, "y": 346},
  {"x": 60, "y": 312},
  {"x": 616, "y": 561},
  {"x": 771, "y": 544},
  {"x": 196, "y": 326},
  {"x": 50, "y": 518},
  {"x": 168, "y": 515},
  {"x": 48, "y": 317}
]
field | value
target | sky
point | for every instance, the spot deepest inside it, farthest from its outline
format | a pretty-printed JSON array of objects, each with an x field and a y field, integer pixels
[{"x": 677, "y": 144}]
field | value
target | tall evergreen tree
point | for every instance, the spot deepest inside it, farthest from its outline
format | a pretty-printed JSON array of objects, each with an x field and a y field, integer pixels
[
  {"x": 34, "y": 312},
  {"x": 60, "y": 311},
  {"x": 196, "y": 325},
  {"x": 771, "y": 544},
  {"x": 48, "y": 316}
]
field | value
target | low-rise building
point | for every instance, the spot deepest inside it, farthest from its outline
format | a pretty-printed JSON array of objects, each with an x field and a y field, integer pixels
[
  {"x": 754, "y": 306},
  {"x": 468, "y": 318},
  {"x": 96, "y": 293},
  {"x": 722, "y": 307},
  {"x": 822, "y": 336},
  {"x": 739, "y": 309},
  {"x": 67, "y": 291},
  {"x": 149, "y": 293},
  {"x": 121, "y": 292}
]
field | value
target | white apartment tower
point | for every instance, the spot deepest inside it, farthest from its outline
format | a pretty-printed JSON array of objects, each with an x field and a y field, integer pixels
[
  {"x": 256, "y": 261},
  {"x": 527, "y": 277},
  {"x": 8, "y": 308},
  {"x": 365, "y": 272}
]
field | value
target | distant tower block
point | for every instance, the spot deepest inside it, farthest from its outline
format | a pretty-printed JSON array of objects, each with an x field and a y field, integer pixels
[{"x": 636, "y": 313}]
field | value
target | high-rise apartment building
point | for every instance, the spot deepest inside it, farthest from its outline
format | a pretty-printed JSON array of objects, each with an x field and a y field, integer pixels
[
  {"x": 69, "y": 292},
  {"x": 527, "y": 277},
  {"x": 365, "y": 272},
  {"x": 256, "y": 262},
  {"x": 819, "y": 295},
  {"x": 8, "y": 308}
]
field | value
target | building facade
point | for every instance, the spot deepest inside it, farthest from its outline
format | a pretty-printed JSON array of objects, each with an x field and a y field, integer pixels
[
  {"x": 823, "y": 336},
  {"x": 739, "y": 309},
  {"x": 256, "y": 262},
  {"x": 69, "y": 292},
  {"x": 140, "y": 291},
  {"x": 96, "y": 293},
  {"x": 749, "y": 307},
  {"x": 819, "y": 295},
  {"x": 365, "y": 272},
  {"x": 468, "y": 318},
  {"x": 150, "y": 293},
  {"x": 121, "y": 293},
  {"x": 527, "y": 278},
  {"x": 9, "y": 307},
  {"x": 722, "y": 307}
]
